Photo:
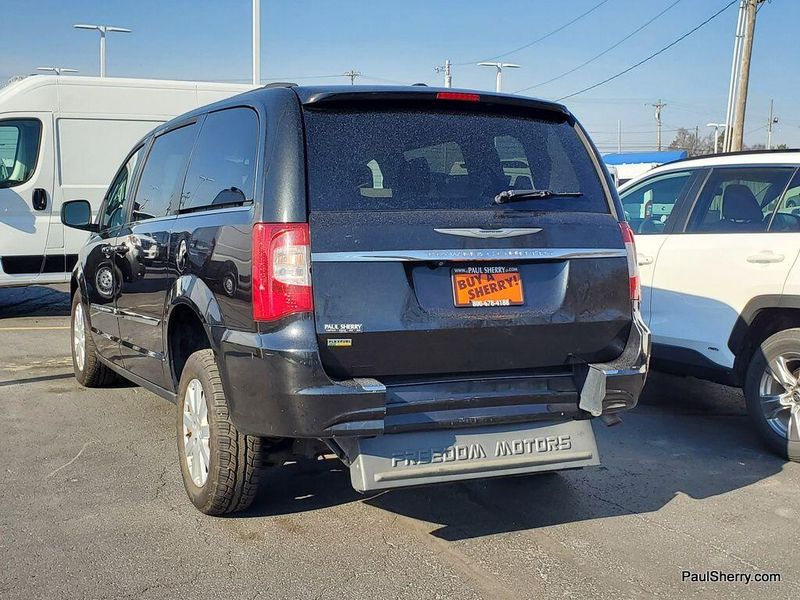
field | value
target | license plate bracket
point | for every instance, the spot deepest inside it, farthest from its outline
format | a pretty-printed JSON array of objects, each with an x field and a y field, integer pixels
[{"x": 487, "y": 286}]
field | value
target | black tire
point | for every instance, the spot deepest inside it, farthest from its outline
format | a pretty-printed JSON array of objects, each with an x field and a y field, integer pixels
[
  {"x": 235, "y": 461},
  {"x": 783, "y": 343},
  {"x": 230, "y": 283},
  {"x": 93, "y": 373}
]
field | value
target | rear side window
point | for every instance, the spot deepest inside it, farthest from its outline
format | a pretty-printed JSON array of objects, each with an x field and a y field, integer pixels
[
  {"x": 163, "y": 172},
  {"x": 223, "y": 166},
  {"x": 19, "y": 150},
  {"x": 434, "y": 160},
  {"x": 739, "y": 200}
]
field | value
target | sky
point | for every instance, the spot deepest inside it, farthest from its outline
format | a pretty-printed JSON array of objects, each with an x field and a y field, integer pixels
[{"x": 316, "y": 41}]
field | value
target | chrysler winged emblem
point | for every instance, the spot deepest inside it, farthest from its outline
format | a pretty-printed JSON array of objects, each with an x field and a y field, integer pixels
[{"x": 490, "y": 234}]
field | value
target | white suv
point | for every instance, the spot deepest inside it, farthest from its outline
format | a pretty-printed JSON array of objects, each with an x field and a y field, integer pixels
[{"x": 718, "y": 240}]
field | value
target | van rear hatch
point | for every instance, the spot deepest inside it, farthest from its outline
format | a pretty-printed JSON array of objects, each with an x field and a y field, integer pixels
[{"x": 418, "y": 271}]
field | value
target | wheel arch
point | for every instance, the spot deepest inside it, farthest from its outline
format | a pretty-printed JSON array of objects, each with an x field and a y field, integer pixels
[
  {"x": 185, "y": 315},
  {"x": 762, "y": 317}
]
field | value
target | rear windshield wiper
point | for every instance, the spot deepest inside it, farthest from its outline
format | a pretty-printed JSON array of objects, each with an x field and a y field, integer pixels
[{"x": 513, "y": 195}]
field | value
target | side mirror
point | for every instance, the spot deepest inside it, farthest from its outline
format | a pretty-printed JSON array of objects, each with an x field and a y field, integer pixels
[{"x": 78, "y": 215}]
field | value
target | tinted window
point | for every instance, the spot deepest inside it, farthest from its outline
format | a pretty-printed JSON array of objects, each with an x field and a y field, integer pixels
[
  {"x": 163, "y": 172},
  {"x": 416, "y": 160},
  {"x": 19, "y": 150},
  {"x": 649, "y": 204},
  {"x": 223, "y": 166},
  {"x": 115, "y": 207},
  {"x": 739, "y": 200}
]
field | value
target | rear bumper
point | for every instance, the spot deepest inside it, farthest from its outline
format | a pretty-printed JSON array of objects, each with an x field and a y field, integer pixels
[{"x": 277, "y": 387}]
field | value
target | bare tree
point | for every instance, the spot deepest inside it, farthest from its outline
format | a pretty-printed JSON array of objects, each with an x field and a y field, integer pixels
[{"x": 695, "y": 145}]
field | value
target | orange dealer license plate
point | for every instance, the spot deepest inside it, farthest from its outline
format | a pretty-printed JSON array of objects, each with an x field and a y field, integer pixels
[{"x": 487, "y": 286}]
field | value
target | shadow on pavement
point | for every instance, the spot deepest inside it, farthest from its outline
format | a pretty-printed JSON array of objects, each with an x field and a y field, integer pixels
[
  {"x": 682, "y": 440},
  {"x": 34, "y": 301}
]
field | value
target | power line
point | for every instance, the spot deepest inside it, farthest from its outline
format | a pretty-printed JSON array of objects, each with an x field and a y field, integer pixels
[
  {"x": 652, "y": 56},
  {"x": 603, "y": 53},
  {"x": 539, "y": 39}
]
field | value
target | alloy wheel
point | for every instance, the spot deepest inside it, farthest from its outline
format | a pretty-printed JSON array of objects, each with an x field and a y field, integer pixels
[
  {"x": 195, "y": 432},
  {"x": 79, "y": 336},
  {"x": 779, "y": 394}
]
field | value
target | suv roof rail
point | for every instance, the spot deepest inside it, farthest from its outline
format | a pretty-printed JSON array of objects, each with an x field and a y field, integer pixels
[
  {"x": 281, "y": 84},
  {"x": 736, "y": 153}
]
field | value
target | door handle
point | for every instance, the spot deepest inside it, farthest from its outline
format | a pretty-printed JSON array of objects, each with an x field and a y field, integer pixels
[
  {"x": 39, "y": 199},
  {"x": 765, "y": 257},
  {"x": 643, "y": 259},
  {"x": 109, "y": 250}
]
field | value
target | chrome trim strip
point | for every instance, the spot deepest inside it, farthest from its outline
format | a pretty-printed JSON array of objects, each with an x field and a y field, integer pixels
[
  {"x": 137, "y": 318},
  {"x": 489, "y": 234},
  {"x": 473, "y": 254},
  {"x": 104, "y": 309}
]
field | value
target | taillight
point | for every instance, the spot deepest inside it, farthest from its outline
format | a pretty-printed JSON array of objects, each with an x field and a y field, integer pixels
[
  {"x": 281, "y": 270},
  {"x": 634, "y": 282}
]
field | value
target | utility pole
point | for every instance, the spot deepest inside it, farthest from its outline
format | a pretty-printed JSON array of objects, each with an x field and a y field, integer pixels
[
  {"x": 737, "y": 133},
  {"x": 498, "y": 82},
  {"x": 352, "y": 74},
  {"x": 659, "y": 106},
  {"x": 448, "y": 75},
  {"x": 772, "y": 121},
  {"x": 103, "y": 29},
  {"x": 256, "y": 42},
  {"x": 619, "y": 136},
  {"x": 717, "y": 127}
]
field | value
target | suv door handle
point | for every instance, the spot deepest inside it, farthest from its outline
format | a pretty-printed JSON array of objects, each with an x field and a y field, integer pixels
[
  {"x": 39, "y": 199},
  {"x": 765, "y": 257},
  {"x": 108, "y": 250},
  {"x": 643, "y": 259}
]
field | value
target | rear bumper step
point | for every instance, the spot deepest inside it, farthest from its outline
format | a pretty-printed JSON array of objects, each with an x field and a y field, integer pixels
[{"x": 417, "y": 458}]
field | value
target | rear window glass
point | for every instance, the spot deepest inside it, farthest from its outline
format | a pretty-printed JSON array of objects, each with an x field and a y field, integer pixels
[{"x": 425, "y": 160}]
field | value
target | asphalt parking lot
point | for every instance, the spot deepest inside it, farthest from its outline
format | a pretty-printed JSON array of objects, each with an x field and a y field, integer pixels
[{"x": 93, "y": 505}]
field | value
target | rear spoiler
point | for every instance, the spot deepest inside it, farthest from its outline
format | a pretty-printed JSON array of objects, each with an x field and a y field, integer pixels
[{"x": 325, "y": 97}]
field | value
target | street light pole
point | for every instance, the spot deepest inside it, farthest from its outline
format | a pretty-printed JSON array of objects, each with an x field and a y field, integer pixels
[
  {"x": 103, "y": 29},
  {"x": 717, "y": 127},
  {"x": 498, "y": 86},
  {"x": 772, "y": 121},
  {"x": 447, "y": 70},
  {"x": 256, "y": 42}
]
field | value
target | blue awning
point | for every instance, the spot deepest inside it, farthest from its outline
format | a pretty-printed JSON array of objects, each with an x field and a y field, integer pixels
[{"x": 626, "y": 158}]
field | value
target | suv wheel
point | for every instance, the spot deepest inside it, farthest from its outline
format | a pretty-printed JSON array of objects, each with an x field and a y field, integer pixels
[
  {"x": 89, "y": 371},
  {"x": 220, "y": 466},
  {"x": 772, "y": 390}
]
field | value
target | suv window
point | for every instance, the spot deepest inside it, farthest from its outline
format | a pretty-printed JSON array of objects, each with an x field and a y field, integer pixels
[
  {"x": 119, "y": 192},
  {"x": 19, "y": 150},
  {"x": 365, "y": 159},
  {"x": 648, "y": 205},
  {"x": 163, "y": 172},
  {"x": 739, "y": 200},
  {"x": 223, "y": 164}
]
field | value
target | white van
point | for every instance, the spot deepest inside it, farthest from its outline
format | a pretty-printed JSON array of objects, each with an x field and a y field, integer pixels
[{"x": 62, "y": 138}]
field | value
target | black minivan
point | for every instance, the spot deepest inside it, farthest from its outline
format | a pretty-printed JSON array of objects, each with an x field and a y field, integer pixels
[{"x": 431, "y": 284}]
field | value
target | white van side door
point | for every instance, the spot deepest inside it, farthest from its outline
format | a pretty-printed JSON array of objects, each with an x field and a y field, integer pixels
[{"x": 26, "y": 202}]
